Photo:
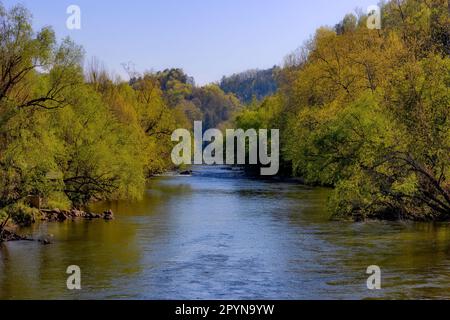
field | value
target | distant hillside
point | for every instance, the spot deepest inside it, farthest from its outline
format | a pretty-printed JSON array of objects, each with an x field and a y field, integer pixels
[
  {"x": 251, "y": 83},
  {"x": 179, "y": 92}
]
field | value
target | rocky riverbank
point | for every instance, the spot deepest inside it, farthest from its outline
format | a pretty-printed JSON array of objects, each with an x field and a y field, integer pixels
[
  {"x": 10, "y": 233},
  {"x": 7, "y": 235},
  {"x": 57, "y": 215}
]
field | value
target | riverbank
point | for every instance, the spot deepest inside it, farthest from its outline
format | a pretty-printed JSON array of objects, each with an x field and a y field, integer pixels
[
  {"x": 7, "y": 235},
  {"x": 11, "y": 232},
  {"x": 360, "y": 211}
]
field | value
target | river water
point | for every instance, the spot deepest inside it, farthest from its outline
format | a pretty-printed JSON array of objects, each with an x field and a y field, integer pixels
[{"x": 220, "y": 235}]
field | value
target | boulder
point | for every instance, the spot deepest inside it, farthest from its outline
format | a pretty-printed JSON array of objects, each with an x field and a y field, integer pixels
[
  {"x": 108, "y": 215},
  {"x": 45, "y": 242},
  {"x": 89, "y": 215},
  {"x": 57, "y": 215}
]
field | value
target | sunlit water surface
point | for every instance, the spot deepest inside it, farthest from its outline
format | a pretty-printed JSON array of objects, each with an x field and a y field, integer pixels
[{"x": 220, "y": 235}]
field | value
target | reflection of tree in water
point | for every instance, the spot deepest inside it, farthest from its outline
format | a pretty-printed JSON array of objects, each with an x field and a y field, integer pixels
[{"x": 104, "y": 251}]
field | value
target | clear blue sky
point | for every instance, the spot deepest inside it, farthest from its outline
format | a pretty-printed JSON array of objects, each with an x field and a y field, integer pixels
[{"x": 207, "y": 38}]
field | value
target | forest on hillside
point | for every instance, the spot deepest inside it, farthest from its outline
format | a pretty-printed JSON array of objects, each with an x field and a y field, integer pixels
[
  {"x": 367, "y": 112},
  {"x": 251, "y": 84}
]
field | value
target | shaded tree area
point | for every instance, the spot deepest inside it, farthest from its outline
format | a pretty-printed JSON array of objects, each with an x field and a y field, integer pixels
[
  {"x": 368, "y": 113},
  {"x": 251, "y": 84}
]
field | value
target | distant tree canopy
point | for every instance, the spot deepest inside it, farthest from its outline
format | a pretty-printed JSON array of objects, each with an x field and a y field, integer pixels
[
  {"x": 368, "y": 112},
  {"x": 251, "y": 84},
  {"x": 209, "y": 103}
]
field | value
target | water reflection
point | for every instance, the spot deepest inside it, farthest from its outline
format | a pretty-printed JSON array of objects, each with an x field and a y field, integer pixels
[{"x": 219, "y": 235}]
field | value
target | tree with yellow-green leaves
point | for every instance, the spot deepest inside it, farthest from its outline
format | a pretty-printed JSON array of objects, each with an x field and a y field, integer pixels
[
  {"x": 37, "y": 78},
  {"x": 68, "y": 135},
  {"x": 367, "y": 112}
]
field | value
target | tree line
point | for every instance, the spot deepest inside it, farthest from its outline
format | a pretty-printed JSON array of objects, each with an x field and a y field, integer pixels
[
  {"x": 251, "y": 84},
  {"x": 367, "y": 113}
]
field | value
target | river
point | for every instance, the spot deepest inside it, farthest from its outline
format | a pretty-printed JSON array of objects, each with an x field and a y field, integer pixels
[{"x": 220, "y": 235}]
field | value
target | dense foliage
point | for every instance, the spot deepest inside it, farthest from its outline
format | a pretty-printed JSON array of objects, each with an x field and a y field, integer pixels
[
  {"x": 208, "y": 103},
  {"x": 251, "y": 84},
  {"x": 368, "y": 112},
  {"x": 71, "y": 134}
]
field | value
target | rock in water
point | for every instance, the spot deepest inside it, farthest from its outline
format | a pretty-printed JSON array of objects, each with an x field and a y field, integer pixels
[
  {"x": 108, "y": 215},
  {"x": 45, "y": 242}
]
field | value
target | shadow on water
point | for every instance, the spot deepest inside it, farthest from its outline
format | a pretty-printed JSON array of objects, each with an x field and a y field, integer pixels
[{"x": 220, "y": 235}]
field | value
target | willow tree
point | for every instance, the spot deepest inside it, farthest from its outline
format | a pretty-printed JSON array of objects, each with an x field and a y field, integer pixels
[
  {"x": 36, "y": 74},
  {"x": 367, "y": 112},
  {"x": 59, "y": 140}
]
